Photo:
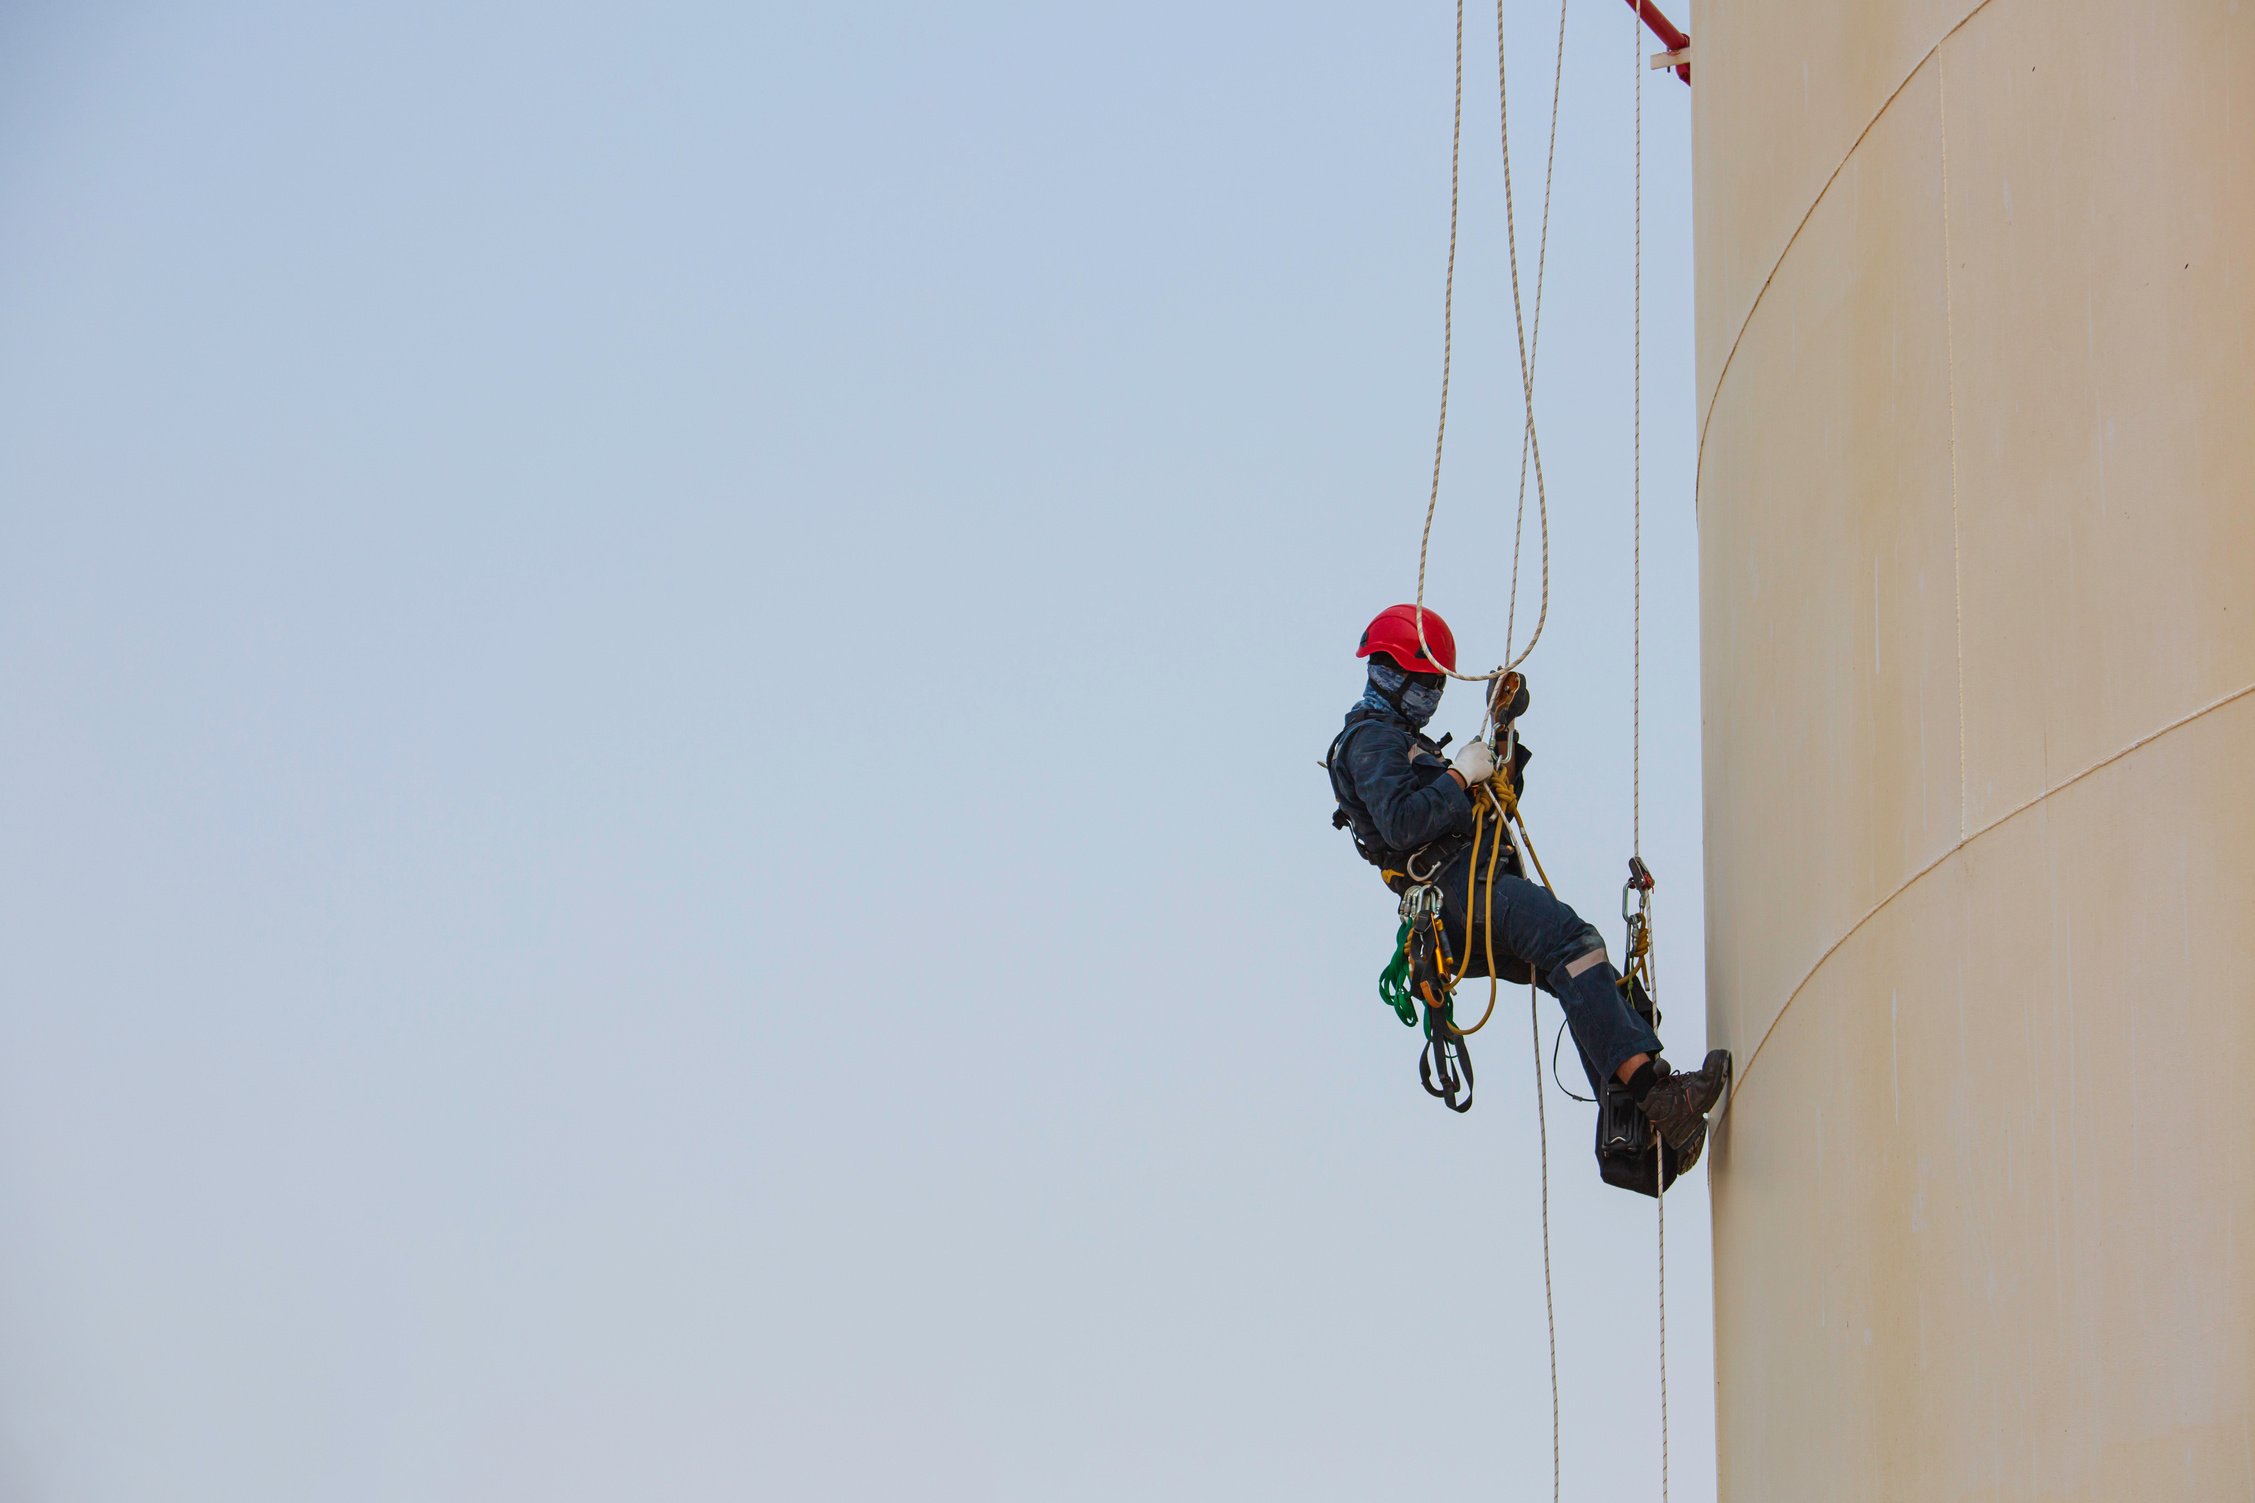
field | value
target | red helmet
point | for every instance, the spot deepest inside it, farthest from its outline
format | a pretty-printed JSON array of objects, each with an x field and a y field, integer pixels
[{"x": 1394, "y": 633}]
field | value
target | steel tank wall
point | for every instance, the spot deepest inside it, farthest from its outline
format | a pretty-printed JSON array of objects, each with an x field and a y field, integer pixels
[{"x": 1976, "y": 490}]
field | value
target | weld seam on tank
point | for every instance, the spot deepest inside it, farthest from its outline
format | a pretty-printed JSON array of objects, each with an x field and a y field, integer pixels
[
  {"x": 1723, "y": 371},
  {"x": 1746, "y": 1060}
]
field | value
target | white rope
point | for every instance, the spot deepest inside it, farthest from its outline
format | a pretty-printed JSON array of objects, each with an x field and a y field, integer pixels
[
  {"x": 1448, "y": 335},
  {"x": 1526, "y": 355},
  {"x": 1660, "y": 1216},
  {"x": 1529, "y": 338},
  {"x": 1661, "y": 1200},
  {"x": 1529, "y": 447},
  {"x": 1519, "y": 325},
  {"x": 1511, "y": 627},
  {"x": 1549, "y": 1309},
  {"x": 1636, "y": 450},
  {"x": 1636, "y": 661},
  {"x": 1534, "y": 333}
]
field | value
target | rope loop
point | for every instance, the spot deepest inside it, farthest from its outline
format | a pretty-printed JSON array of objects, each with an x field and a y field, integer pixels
[{"x": 1531, "y": 442}]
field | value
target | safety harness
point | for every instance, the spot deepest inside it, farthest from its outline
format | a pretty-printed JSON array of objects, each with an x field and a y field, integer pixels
[
  {"x": 1421, "y": 976},
  {"x": 1427, "y": 964},
  {"x": 1399, "y": 870}
]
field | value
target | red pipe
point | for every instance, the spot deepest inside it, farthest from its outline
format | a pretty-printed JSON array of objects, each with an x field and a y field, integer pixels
[{"x": 1665, "y": 30}]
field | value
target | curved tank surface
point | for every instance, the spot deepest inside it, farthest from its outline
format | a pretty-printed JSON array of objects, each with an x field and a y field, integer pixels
[{"x": 1976, "y": 330}]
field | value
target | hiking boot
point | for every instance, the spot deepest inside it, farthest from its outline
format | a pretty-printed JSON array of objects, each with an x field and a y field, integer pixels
[{"x": 1679, "y": 1102}]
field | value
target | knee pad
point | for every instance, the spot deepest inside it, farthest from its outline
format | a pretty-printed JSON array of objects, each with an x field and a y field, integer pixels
[{"x": 1583, "y": 950}]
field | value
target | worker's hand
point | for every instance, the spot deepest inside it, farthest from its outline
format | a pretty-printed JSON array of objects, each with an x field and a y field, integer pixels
[{"x": 1475, "y": 764}]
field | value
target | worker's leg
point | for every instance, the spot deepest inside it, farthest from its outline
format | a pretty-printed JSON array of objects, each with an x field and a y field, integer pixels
[{"x": 1568, "y": 958}]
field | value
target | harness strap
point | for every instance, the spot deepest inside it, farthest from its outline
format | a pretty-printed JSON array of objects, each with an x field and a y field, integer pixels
[{"x": 1397, "y": 869}]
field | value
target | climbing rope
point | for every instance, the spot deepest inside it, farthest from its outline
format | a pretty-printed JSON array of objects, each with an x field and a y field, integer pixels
[
  {"x": 1549, "y": 1310},
  {"x": 1528, "y": 335},
  {"x": 1636, "y": 666},
  {"x": 1534, "y": 332},
  {"x": 1440, "y": 1021},
  {"x": 1532, "y": 440},
  {"x": 1474, "y": 886},
  {"x": 1542, "y": 1145},
  {"x": 1636, "y": 452},
  {"x": 1507, "y": 812},
  {"x": 1496, "y": 812},
  {"x": 1448, "y": 335}
]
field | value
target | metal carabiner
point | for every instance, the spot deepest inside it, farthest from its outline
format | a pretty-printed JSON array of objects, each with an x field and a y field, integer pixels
[
  {"x": 1421, "y": 901},
  {"x": 1636, "y": 913}
]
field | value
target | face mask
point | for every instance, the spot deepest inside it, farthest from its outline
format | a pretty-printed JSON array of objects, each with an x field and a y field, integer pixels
[
  {"x": 1419, "y": 701},
  {"x": 1416, "y": 702}
]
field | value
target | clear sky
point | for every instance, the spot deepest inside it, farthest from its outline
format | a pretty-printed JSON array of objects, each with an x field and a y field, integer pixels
[{"x": 659, "y": 826}]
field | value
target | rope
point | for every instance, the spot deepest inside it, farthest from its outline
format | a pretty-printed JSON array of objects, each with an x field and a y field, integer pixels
[
  {"x": 1549, "y": 1309},
  {"x": 1636, "y": 663},
  {"x": 1529, "y": 446},
  {"x": 1448, "y": 334},
  {"x": 1660, "y": 1199},
  {"x": 1636, "y": 457},
  {"x": 1511, "y": 813},
  {"x": 1660, "y": 1212},
  {"x": 1533, "y": 442},
  {"x": 1393, "y": 982},
  {"x": 1534, "y": 333},
  {"x": 1519, "y": 319},
  {"x": 1473, "y": 888},
  {"x": 1528, "y": 341}
]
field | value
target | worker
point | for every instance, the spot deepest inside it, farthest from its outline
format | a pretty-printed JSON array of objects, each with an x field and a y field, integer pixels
[{"x": 1410, "y": 808}]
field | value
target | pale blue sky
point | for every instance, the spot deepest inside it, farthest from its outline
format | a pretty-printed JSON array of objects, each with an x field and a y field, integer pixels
[{"x": 659, "y": 832}]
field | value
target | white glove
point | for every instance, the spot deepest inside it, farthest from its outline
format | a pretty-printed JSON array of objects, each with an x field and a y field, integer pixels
[{"x": 1475, "y": 764}]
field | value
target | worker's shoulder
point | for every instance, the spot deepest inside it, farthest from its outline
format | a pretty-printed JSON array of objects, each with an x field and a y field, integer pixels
[{"x": 1370, "y": 736}]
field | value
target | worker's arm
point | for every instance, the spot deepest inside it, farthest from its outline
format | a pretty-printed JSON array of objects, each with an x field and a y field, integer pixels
[{"x": 1411, "y": 803}]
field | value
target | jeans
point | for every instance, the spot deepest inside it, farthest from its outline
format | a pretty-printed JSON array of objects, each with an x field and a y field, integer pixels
[{"x": 1534, "y": 933}]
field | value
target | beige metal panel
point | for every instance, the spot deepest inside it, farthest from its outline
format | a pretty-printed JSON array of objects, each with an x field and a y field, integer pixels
[
  {"x": 2102, "y": 218},
  {"x": 1793, "y": 86},
  {"x": 1827, "y": 581},
  {"x": 1985, "y": 1206}
]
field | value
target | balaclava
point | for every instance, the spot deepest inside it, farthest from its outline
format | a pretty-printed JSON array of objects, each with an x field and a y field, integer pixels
[{"x": 1392, "y": 690}]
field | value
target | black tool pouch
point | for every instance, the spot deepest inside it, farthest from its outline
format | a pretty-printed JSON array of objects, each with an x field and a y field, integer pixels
[{"x": 1624, "y": 1135}]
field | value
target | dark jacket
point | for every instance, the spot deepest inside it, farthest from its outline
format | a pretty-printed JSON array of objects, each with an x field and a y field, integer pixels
[
  {"x": 1393, "y": 785},
  {"x": 1394, "y": 788}
]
